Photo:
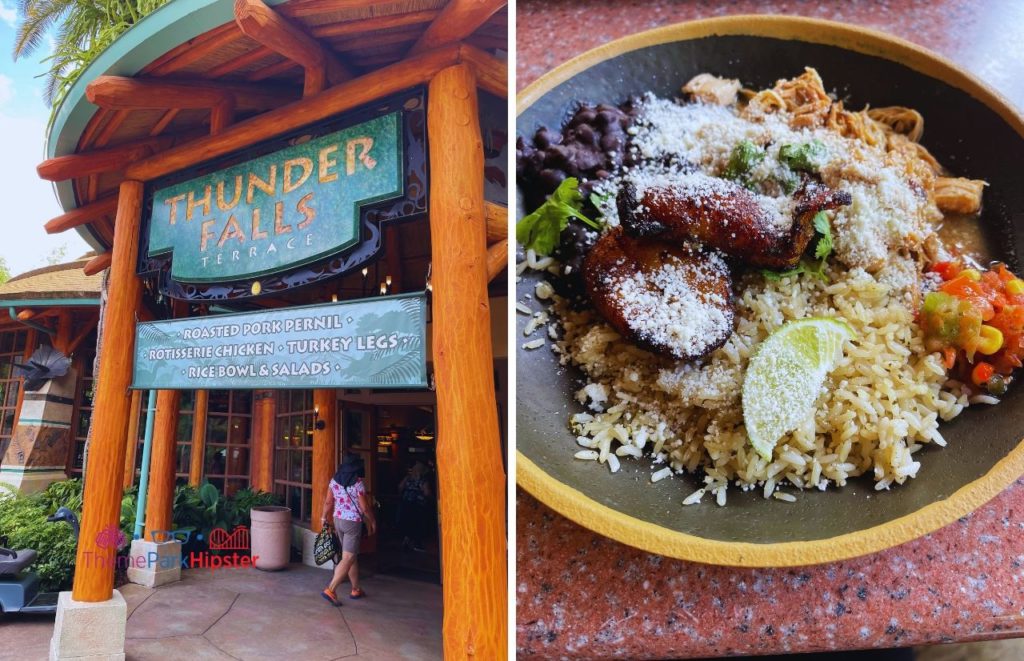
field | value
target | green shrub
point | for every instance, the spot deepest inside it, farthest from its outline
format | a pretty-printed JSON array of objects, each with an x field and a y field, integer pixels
[
  {"x": 246, "y": 499},
  {"x": 23, "y": 522},
  {"x": 66, "y": 493}
]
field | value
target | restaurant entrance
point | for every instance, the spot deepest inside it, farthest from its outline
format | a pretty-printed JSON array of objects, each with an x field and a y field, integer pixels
[
  {"x": 301, "y": 241},
  {"x": 395, "y": 434}
]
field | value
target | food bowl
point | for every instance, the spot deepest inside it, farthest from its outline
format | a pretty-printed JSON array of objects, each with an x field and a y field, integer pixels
[{"x": 968, "y": 127}]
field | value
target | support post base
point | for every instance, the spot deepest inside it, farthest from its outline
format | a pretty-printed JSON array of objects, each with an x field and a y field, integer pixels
[
  {"x": 154, "y": 564},
  {"x": 89, "y": 630}
]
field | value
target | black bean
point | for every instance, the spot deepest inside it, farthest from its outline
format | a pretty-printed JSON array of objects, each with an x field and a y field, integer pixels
[
  {"x": 584, "y": 116},
  {"x": 611, "y": 142},
  {"x": 551, "y": 178},
  {"x": 585, "y": 134},
  {"x": 607, "y": 117},
  {"x": 542, "y": 139}
]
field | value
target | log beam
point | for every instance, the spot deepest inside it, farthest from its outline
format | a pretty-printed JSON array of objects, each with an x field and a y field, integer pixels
[
  {"x": 164, "y": 121},
  {"x": 497, "y": 259},
  {"x": 98, "y": 264},
  {"x": 112, "y": 402},
  {"x": 346, "y": 96},
  {"x": 260, "y": 22},
  {"x": 135, "y": 411},
  {"x": 83, "y": 215},
  {"x": 100, "y": 161},
  {"x": 83, "y": 332},
  {"x": 496, "y": 217},
  {"x": 236, "y": 63},
  {"x": 325, "y": 449},
  {"x": 362, "y": 26},
  {"x": 195, "y": 469},
  {"x": 122, "y": 93},
  {"x": 264, "y": 417},
  {"x": 471, "y": 476},
  {"x": 491, "y": 73},
  {"x": 62, "y": 339},
  {"x": 194, "y": 50},
  {"x": 458, "y": 20},
  {"x": 271, "y": 70},
  {"x": 163, "y": 461}
]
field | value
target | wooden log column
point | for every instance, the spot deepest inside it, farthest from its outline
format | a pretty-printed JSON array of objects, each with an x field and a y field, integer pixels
[
  {"x": 195, "y": 469},
  {"x": 264, "y": 417},
  {"x": 94, "y": 574},
  {"x": 163, "y": 460},
  {"x": 132, "y": 446},
  {"x": 471, "y": 478},
  {"x": 325, "y": 449}
]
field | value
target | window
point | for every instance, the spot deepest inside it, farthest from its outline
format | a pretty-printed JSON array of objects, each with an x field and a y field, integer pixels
[
  {"x": 228, "y": 421},
  {"x": 12, "y": 348},
  {"x": 186, "y": 413},
  {"x": 84, "y": 392},
  {"x": 183, "y": 439},
  {"x": 293, "y": 452}
]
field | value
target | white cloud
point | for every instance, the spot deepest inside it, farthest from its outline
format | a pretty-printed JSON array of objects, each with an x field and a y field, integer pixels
[
  {"x": 28, "y": 201},
  {"x": 8, "y": 14},
  {"x": 6, "y": 90}
]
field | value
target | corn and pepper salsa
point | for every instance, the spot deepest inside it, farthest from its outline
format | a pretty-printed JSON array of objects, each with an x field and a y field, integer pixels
[{"x": 976, "y": 320}]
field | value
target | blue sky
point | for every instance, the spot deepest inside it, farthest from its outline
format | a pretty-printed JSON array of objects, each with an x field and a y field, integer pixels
[{"x": 26, "y": 202}]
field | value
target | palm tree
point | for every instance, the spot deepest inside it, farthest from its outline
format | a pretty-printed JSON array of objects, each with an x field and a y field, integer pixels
[{"x": 81, "y": 30}]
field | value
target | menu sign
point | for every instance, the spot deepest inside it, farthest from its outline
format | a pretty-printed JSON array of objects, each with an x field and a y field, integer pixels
[
  {"x": 281, "y": 210},
  {"x": 368, "y": 343}
]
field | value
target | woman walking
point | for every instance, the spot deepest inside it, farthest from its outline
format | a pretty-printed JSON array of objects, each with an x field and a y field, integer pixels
[{"x": 349, "y": 505}]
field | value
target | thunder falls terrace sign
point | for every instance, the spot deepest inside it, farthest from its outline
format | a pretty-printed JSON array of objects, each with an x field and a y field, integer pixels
[
  {"x": 291, "y": 212},
  {"x": 303, "y": 208}
]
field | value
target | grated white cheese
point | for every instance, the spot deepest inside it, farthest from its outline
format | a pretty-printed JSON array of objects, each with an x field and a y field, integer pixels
[{"x": 664, "y": 308}]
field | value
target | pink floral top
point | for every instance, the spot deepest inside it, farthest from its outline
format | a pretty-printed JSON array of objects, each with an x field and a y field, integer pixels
[{"x": 346, "y": 505}]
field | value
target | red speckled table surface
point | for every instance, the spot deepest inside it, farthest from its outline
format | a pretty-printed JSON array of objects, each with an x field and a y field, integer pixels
[{"x": 580, "y": 595}]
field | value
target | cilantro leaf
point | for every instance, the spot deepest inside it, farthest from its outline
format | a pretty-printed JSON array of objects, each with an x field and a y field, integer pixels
[
  {"x": 775, "y": 276},
  {"x": 744, "y": 157},
  {"x": 821, "y": 251},
  {"x": 541, "y": 229},
  {"x": 788, "y": 180},
  {"x": 805, "y": 157},
  {"x": 600, "y": 201},
  {"x": 824, "y": 247}
]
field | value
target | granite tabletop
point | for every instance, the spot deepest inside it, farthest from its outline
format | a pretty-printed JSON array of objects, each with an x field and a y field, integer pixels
[{"x": 580, "y": 595}]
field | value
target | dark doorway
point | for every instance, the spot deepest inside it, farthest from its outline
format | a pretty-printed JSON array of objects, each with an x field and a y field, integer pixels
[{"x": 409, "y": 544}]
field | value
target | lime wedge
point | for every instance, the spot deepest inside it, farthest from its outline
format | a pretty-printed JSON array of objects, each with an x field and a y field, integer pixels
[{"x": 785, "y": 376}]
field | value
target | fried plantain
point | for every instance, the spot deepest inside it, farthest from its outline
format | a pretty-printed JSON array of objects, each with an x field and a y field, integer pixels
[
  {"x": 726, "y": 216},
  {"x": 673, "y": 299}
]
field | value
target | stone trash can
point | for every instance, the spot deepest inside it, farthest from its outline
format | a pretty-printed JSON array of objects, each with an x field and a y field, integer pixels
[{"x": 271, "y": 536}]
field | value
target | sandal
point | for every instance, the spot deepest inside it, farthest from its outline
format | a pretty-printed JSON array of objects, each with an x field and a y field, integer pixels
[
  {"x": 357, "y": 593},
  {"x": 329, "y": 595}
]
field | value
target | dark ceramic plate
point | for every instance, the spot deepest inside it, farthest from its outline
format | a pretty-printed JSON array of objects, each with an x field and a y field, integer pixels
[{"x": 967, "y": 127}]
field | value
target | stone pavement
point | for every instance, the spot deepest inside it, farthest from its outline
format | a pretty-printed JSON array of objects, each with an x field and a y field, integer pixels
[{"x": 251, "y": 614}]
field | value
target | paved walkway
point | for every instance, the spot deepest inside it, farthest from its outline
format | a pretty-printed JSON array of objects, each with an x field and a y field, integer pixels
[{"x": 249, "y": 614}]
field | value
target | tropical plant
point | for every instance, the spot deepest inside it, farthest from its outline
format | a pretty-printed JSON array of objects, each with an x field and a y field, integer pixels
[
  {"x": 81, "y": 30},
  {"x": 23, "y": 523},
  {"x": 66, "y": 493},
  {"x": 242, "y": 502}
]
